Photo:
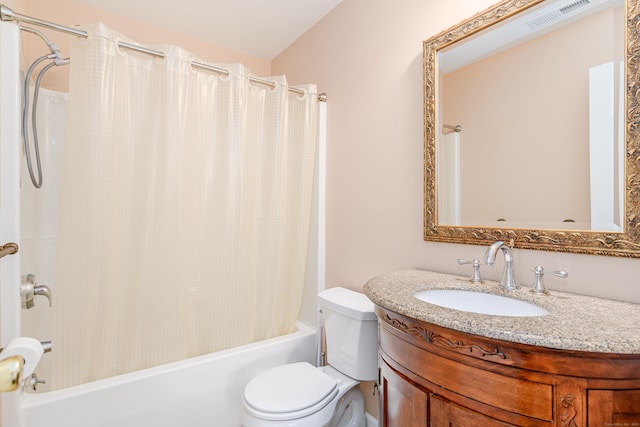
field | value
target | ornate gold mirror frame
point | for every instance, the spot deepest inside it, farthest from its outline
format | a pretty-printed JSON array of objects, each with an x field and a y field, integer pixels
[{"x": 626, "y": 243}]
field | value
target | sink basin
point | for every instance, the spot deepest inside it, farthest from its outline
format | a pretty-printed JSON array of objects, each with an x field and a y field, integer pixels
[{"x": 479, "y": 302}]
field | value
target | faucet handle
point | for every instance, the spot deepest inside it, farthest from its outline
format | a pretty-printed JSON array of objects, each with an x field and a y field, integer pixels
[
  {"x": 32, "y": 382},
  {"x": 538, "y": 285},
  {"x": 475, "y": 276}
]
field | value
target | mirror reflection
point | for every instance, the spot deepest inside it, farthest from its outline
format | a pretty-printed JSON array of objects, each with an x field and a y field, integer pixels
[
  {"x": 530, "y": 121},
  {"x": 547, "y": 153}
]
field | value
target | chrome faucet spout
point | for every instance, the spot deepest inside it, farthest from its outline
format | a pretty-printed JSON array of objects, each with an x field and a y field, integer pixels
[
  {"x": 44, "y": 291},
  {"x": 492, "y": 251},
  {"x": 508, "y": 279}
]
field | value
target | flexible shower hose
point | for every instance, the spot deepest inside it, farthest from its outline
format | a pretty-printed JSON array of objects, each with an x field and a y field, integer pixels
[
  {"x": 56, "y": 59},
  {"x": 37, "y": 181}
]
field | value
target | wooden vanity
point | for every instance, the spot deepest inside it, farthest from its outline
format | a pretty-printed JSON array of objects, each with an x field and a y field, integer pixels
[{"x": 435, "y": 375}]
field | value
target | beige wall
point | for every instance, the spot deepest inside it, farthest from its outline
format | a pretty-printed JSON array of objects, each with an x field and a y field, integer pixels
[
  {"x": 16, "y": 5},
  {"x": 367, "y": 56}
]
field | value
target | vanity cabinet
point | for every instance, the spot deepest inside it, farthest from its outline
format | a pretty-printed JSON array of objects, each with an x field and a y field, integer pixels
[
  {"x": 443, "y": 413},
  {"x": 439, "y": 377},
  {"x": 407, "y": 404},
  {"x": 404, "y": 403}
]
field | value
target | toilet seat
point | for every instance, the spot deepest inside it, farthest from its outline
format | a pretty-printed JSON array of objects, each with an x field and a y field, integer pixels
[{"x": 289, "y": 391}]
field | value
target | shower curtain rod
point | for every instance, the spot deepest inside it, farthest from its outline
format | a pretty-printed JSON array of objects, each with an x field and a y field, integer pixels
[
  {"x": 7, "y": 14},
  {"x": 456, "y": 128}
]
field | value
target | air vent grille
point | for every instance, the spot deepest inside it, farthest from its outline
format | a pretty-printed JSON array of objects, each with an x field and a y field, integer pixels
[
  {"x": 575, "y": 5},
  {"x": 556, "y": 14}
]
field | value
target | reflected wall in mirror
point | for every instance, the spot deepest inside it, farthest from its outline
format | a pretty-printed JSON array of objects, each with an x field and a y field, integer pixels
[{"x": 530, "y": 136}]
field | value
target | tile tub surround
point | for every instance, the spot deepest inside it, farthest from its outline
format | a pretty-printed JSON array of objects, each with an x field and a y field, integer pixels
[{"x": 575, "y": 322}]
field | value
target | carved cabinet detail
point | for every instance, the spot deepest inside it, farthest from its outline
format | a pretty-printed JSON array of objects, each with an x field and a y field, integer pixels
[{"x": 434, "y": 376}]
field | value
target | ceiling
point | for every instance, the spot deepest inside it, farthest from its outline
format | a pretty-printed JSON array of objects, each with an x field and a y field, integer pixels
[{"x": 259, "y": 28}]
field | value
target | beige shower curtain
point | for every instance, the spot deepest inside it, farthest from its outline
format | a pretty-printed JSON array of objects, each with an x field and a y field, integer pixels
[{"x": 185, "y": 204}]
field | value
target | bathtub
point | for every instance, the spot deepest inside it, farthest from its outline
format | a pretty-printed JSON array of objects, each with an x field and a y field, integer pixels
[{"x": 196, "y": 392}]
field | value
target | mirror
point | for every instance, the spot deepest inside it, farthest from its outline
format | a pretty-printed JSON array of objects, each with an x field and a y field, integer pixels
[{"x": 530, "y": 136}]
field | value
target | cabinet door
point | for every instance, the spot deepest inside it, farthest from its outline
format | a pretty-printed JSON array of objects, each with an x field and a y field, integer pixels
[
  {"x": 403, "y": 404},
  {"x": 613, "y": 408},
  {"x": 446, "y": 414}
]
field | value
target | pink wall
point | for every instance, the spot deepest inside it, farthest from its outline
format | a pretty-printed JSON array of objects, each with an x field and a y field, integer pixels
[{"x": 367, "y": 56}]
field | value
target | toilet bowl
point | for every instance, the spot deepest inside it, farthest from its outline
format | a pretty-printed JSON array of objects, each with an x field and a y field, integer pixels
[
  {"x": 305, "y": 396},
  {"x": 302, "y": 395}
]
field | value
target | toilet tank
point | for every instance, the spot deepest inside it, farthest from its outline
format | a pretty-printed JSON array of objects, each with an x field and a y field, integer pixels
[{"x": 351, "y": 333}]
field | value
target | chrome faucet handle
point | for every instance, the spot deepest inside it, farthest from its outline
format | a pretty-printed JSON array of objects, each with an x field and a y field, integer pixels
[
  {"x": 538, "y": 285},
  {"x": 475, "y": 276},
  {"x": 31, "y": 382}
]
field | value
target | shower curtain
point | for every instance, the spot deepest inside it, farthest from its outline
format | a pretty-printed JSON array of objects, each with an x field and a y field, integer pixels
[{"x": 185, "y": 205}]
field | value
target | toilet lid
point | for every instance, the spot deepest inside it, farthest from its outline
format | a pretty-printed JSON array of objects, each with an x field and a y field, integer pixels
[{"x": 290, "y": 388}]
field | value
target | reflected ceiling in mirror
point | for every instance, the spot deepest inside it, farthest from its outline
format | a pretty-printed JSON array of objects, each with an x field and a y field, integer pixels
[{"x": 527, "y": 137}]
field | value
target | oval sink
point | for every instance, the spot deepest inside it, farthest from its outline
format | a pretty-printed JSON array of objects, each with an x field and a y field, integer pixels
[{"x": 479, "y": 302}]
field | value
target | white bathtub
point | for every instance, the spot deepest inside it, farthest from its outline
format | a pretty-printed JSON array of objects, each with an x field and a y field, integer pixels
[{"x": 197, "y": 392}]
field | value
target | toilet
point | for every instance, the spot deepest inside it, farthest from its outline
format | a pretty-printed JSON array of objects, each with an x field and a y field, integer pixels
[{"x": 302, "y": 395}]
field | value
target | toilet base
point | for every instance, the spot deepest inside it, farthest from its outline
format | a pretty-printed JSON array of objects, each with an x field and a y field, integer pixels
[{"x": 349, "y": 410}]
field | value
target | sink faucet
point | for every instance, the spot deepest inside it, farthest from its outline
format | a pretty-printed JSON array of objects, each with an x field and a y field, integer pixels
[{"x": 508, "y": 279}]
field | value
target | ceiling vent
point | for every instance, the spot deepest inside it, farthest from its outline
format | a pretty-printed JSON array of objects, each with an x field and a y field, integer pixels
[{"x": 556, "y": 14}]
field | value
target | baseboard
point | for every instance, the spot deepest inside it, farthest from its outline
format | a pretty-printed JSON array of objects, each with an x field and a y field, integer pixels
[{"x": 371, "y": 421}]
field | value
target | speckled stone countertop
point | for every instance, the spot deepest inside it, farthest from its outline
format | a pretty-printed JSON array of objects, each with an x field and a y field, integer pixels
[{"x": 575, "y": 322}]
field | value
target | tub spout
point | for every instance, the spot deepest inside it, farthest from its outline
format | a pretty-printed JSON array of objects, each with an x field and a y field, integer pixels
[
  {"x": 44, "y": 291},
  {"x": 29, "y": 289}
]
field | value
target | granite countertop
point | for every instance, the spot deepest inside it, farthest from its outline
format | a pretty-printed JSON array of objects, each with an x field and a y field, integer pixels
[{"x": 576, "y": 322}]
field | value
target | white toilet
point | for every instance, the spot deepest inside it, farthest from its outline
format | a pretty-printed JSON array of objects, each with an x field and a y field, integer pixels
[{"x": 301, "y": 395}]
